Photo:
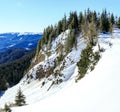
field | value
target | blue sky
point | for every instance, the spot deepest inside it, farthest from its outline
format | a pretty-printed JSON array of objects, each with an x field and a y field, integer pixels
[{"x": 35, "y": 15}]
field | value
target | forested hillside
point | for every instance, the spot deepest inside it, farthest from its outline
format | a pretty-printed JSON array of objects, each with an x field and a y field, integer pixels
[
  {"x": 12, "y": 72},
  {"x": 12, "y": 55},
  {"x": 89, "y": 24}
]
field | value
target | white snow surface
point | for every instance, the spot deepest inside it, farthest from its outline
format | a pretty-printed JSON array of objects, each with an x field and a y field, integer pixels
[
  {"x": 28, "y": 33},
  {"x": 12, "y": 45},
  {"x": 98, "y": 91}
]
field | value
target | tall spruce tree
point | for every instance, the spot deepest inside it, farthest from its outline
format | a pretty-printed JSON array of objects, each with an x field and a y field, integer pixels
[
  {"x": 104, "y": 22},
  {"x": 64, "y": 23},
  {"x": 59, "y": 28},
  {"x": 80, "y": 20},
  {"x": 112, "y": 19},
  {"x": 20, "y": 98}
]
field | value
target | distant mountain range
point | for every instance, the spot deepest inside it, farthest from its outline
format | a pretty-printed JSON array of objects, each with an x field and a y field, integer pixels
[
  {"x": 26, "y": 41},
  {"x": 15, "y": 45}
]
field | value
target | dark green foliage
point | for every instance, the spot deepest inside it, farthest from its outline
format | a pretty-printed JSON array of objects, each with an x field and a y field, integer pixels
[
  {"x": 11, "y": 73},
  {"x": 12, "y": 55},
  {"x": 59, "y": 28},
  {"x": 111, "y": 23},
  {"x": 118, "y": 22},
  {"x": 20, "y": 98},
  {"x": 88, "y": 61},
  {"x": 64, "y": 23},
  {"x": 96, "y": 57},
  {"x": 73, "y": 21},
  {"x": 112, "y": 19},
  {"x": 84, "y": 62},
  {"x": 7, "y": 108},
  {"x": 80, "y": 20},
  {"x": 104, "y": 22},
  {"x": 3, "y": 84}
]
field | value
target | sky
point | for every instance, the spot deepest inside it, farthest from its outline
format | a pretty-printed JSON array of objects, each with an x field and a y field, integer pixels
[{"x": 35, "y": 15}]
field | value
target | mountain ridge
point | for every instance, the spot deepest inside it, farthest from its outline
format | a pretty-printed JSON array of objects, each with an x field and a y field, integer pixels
[{"x": 18, "y": 40}]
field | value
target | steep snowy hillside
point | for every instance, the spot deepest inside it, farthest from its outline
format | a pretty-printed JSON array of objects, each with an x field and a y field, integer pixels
[{"x": 97, "y": 91}]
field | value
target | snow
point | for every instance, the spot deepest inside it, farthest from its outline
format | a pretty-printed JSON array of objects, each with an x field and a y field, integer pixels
[
  {"x": 98, "y": 91},
  {"x": 21, "y": 38},
  {"x": 30, "y": 44},
  {"x": 28, "y": 33},
  {"x": 12, "y": 45},
  {"x": 27, "y": 48}
]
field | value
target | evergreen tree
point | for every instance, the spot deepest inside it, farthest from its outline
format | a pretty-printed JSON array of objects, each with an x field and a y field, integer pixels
[
  {"x": 89, "y": 15},
  {"x": 94, "y": 17},
  {"x": 84, "y": 62},
  {"x": 64, "y": 23},
  {"x": 118, "y": 22},
  {"x": 112, "y": 20},
  {"x": 71, "y": 41},
  {"x": 59, "y": 28},
  {"x": 104, "y": 22},
  {"x": 73, "y": 21},
  {"x": 3, "y": 83},
  {"x": 7, "y": 108},
  {"x": 20, "y": 98},
  {"x": 80, "y": 20}
]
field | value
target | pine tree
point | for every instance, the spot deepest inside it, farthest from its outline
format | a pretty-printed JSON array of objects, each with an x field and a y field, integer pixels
[
  {"x": 64, "y": 23},
  {"x": 59, "y": 28},
  {"x": 20, "y": 98},
  {"x": 73, "y": 21},
  {"x": 71, "y": 41},
  {"x": 118, "y": 22},
  {"x": 89, "y": 15},
  {"x": 104, "y": 22},
  {"x": 84, "y": 62},
  {"x": 112, "y": 20},
  {"x": 80, "y": 19},
  {"x": 7, "y": 108}
]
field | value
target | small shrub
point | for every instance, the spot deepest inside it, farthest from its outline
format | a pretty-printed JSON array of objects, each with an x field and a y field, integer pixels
[{"x": 6, "y": 108}]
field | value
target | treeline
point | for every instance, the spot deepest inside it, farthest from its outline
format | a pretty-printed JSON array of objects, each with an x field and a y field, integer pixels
[
  {"x": 79, "y": 23},
  {"x": 11, "y": 73}
]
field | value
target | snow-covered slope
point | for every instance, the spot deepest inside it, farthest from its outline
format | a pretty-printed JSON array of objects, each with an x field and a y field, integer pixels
[{"x": 98, "y": 91}]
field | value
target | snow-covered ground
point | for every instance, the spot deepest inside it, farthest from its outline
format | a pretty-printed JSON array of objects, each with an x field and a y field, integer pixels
[{"x": 98, "y": 91}]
